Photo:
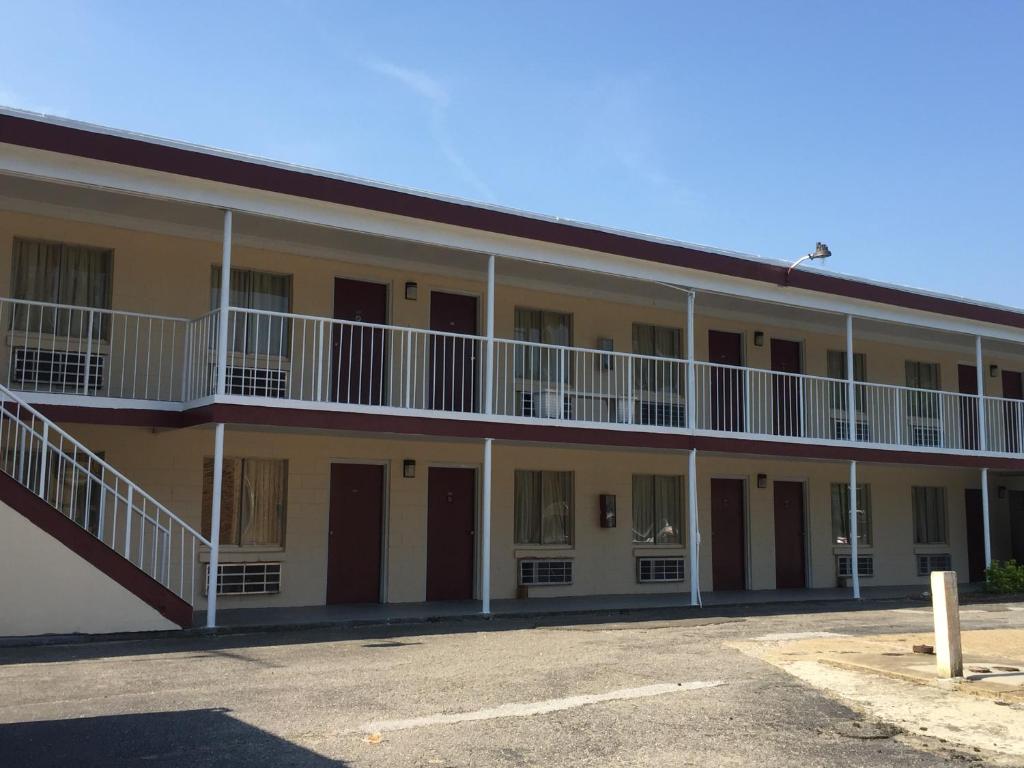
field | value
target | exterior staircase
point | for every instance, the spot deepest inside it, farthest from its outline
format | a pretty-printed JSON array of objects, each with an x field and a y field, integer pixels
[{"x": 102, "y": 517}]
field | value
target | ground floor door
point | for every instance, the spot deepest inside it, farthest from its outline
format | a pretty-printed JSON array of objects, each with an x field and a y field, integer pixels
[
  {"x": 975, "y": 535},
  {"x": 1013, "y": 389},
  {"x": 355, "y": 533},
  {"x": 790, "y": 565},
  {"x": 451, "y": 519},
  {"x": 1017, "y": 525},
  {"x": 728, "y": 535}
]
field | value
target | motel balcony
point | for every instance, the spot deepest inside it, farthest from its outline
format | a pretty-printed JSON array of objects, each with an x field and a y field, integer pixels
[{"x": 66, "y": 355}]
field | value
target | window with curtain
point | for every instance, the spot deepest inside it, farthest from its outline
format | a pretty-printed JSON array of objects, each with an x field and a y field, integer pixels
[
  {"x": 253, "y": 497},
  {"x": 60, "y": 273},
  {"x": 542, "y": 327},
  {"x": 657, "y": 341},
  {"x": 929, "y": 504},
  {"x": 922, "y": 376},
  {"x": 253, "y": 332},
  {"x": 837, "y": 370},
  {"x": 841, "y": 514},
  {"x": 657, "y": 509},
  {"x": 543, "y": 507}
]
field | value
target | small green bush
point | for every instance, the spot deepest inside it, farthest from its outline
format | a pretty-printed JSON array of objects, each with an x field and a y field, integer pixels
[{"x": 1004, "y": 578}]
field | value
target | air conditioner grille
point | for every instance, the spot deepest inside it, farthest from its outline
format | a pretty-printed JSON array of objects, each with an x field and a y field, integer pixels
[
  {"x": 654, "y": 569},
  {"x": 538, "y": 572}
]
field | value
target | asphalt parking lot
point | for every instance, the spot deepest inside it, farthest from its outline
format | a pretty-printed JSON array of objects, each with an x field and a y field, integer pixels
[{"x": 659, "y": 688}]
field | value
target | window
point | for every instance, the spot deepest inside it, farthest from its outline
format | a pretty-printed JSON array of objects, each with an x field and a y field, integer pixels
[
  {"x": 58, "y": 273},
  {"x": 252, "y": 290},
  {"x": 929, "y": 515},
  {"x": 922, "y": 375},
  {"x": 841, "y": 514},
  {"x": 837, "y": 370},
  {"x": 657, "y": 509},
  {"x": 544, "y": 507},
  {"x": 252, "y": 501},
  {"x": 542, "y": 327},
  {"x": 657, "y": 341}
]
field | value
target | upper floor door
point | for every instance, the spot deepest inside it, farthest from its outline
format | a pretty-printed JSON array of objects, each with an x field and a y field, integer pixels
[
  {"x": 726, "y": 383},
  {"x": 453, "y": 358},
  {"x": 787, "y": 416},
  {"x": 1013, "y": 412},
  {"x": 967, "y": 378},
  {"x": 359, "y": 347}
]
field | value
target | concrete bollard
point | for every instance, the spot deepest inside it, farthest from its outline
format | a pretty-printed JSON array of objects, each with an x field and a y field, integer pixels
[{"x": 949, "y": 658}]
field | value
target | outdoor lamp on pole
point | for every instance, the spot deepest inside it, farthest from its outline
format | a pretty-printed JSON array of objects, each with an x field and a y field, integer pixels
[{"x": 820, "y": 251}]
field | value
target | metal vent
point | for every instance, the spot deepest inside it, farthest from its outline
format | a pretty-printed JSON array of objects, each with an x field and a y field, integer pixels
[
  {"x": 257, "y": 382},
  {"x": 543, "y": 404},
  {"x": 245, "y": 579},
  {"x": 928, "y": 563},
  {"x": 865, "y": 565},
  {"x": 841, "y": 430},
  {"x": 925, "y": 435},
  {"x": 651, "y": 569},
  {"x": 538, "y": 572},
  {"x": 662, "y": 414},
  {"x": 55, "y": 370}
]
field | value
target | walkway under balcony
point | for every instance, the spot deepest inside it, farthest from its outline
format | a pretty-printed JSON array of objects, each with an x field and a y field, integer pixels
[{"x": 64, "y": 355}]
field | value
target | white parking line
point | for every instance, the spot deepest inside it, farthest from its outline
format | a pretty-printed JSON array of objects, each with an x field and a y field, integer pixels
[{"x": 525, "y": 709}]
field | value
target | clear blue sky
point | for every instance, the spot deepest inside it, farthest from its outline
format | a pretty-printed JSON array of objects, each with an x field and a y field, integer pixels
[{"x": 892, "y": 131}]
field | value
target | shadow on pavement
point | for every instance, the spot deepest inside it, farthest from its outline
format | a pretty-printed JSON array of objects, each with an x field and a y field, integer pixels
[{"x": 198, "y": 737}]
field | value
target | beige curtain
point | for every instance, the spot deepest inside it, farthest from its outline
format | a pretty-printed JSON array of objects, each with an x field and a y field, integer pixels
[
  {"x": 556, "y": 509},
  {"x": 263, "y": 499},
  {"x": 643, "y": 509},
  {"x": 250, "y": 289},
  {"x": 841, "y": 514},
  {"x": 527, "y": 507}
]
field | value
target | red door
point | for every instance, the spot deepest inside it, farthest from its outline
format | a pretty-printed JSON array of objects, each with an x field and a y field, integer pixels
[
  {"x": 355, "y": 533},
  {"x": 726, "y": 349},
  {"x": 359, "y": 352},
  {"x": 967, "y": 376},
  {"x": 453, "y": 370},
  {"x": 728, "y": 536},
  {"x": 786, "y": 412},
  {"x": 790, "y": 570},
  {"x": 1013, "y": 413},
  {"x": 975, "y": 535},
  {"x": 451, "y": 518}
]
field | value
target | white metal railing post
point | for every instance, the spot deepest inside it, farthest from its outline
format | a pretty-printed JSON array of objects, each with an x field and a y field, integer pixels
[
  {"x": 985, "y": 518},
  {"x": 225, "y": 300},
  {"x": 851, "y": 388},
  {"x": 42, "y": 460},
  {"x": 982, "y": 425},
  {"x": 854, "y": 544},
  {"x": 693, "y": 528},
  {"x": 215, "y": 515},
  {"x": 485, "y": 531},
  {"x": 88, "y": 356},
  {"x": 691, "y": 374},
  {"x": 489, "y": 362}
]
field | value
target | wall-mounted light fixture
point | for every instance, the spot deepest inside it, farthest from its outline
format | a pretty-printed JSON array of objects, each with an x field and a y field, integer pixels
[
  {"x": 1001, "y": 492},
  {"x": 758, "y": 338},
  {"x": 409, "y": 468},
  {"x": 762, "y": 481},
  {"x": 411, "y": 291},
  {"x": 993, "y": 371}
]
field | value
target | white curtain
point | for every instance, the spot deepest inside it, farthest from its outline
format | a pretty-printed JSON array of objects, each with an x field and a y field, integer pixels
[
  {"x": 657, "y": 509},
  {"x": 250, "y": 289},
  {"x": 841, "y": 514},
  {"x": 543, "y": 507}
]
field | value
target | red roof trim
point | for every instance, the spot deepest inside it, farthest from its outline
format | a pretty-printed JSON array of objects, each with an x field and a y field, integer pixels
[{"x": 139, "y": 153}]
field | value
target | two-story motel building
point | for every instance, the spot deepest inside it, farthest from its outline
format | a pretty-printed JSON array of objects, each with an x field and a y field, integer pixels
[{"x": 398, "y": 397}]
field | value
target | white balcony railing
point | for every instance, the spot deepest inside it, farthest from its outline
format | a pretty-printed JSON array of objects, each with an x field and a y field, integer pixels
[
  {"x": 307, "y": 359},
  {"x": 61, "y": 349}
]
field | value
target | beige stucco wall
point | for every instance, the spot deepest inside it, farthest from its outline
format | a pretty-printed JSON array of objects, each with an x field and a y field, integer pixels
[
  {"x": 164, "y": 274},
  {"x": 169, "y": 465},
  {"x": 45, "y": 588}
]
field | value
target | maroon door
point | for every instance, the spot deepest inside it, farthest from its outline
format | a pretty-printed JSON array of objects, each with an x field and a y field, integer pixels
[
  {"x": 786, "y": 411},
  {"x": 453, "y": 371},
  {"x": 790, "y": 570},
  {"x": 451, "y": 518},
  {"x": 975, "y": 535},
  {"x": 354, "y": 533},
  {"x": 967, "y": 376},
  {"x": 1013, "y": 413},
  {"x": 359, "y": 352},
  {"x": 728, "y": 538},
  {"x": 725, "y": 348},
  {"x": 1017, "y": 525}
]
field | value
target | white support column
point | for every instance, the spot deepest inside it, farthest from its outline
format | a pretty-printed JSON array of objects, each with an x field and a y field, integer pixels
[
  {"x": 982, "y": 426},
  {"x": 693, "y": 529},
  {"x": 691, "y": 373},
  {"x": 851, "y": 387},
  {"x": 225, "y": 298},
  {"x": 215, "y": 512},
  {"x": 485, "y": 531},
  {"x": 854, "y": 547},
  {"x": 489, "y": 361},
  {"x": 985, "y": 518}
]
